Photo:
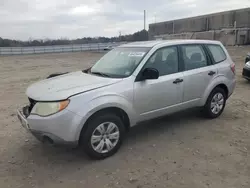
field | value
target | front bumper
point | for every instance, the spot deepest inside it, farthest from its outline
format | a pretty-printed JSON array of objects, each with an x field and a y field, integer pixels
[
  {"x": 57, "y": 129},
  {"x": 246, "y": 73}
]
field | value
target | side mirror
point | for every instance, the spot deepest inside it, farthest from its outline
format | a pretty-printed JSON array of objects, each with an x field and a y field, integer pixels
[{"x": 150, "y": 74}]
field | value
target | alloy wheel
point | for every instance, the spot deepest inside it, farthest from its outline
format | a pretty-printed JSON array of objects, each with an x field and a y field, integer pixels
[{"x": 105, "y": 137}]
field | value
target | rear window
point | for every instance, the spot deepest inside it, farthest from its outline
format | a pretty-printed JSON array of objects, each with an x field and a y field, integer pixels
[{"x": 217, "y": 53}]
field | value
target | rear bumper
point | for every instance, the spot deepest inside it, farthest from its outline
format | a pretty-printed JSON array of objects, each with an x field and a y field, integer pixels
[
  {"x": 231, "y": 88},
  {"x": 246, "y": 73}
]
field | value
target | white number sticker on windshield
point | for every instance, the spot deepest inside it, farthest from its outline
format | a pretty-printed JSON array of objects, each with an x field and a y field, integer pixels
[{"x": 136, "y": 54}]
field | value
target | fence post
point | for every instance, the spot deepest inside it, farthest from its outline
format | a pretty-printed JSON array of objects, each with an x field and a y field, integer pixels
[
  {"x": 207, "y": 24},
  {"x": 11, "y": 50},
  {"x": 235, "y": 32},
  {"x": 173, "y": 28},
  {"x": 72, "y": 47}
]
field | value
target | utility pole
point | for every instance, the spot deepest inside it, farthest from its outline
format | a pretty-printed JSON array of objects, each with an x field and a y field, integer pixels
[
  {"x": 120, "y": 34},
  {"x": 144, "y": 19}
]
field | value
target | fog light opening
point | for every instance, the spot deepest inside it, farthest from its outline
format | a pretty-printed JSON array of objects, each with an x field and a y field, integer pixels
[{"x": 47, "y": 140}]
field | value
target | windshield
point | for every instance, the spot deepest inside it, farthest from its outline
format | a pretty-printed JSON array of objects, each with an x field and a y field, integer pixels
[{"x": 119, "y": 62}]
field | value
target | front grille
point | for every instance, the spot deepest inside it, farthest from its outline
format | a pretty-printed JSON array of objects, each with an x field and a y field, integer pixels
[
  {"x": 32, "y": 104},
  {"x": 26, "y": 111}
]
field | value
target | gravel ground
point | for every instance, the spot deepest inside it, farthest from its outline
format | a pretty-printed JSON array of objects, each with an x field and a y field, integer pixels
[{"x": 183, "y": 150}]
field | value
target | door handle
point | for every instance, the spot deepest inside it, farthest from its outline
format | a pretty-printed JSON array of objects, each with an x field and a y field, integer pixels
[
  {"x": 211, "y": 73},
  {"x": 178, "y": 80}
]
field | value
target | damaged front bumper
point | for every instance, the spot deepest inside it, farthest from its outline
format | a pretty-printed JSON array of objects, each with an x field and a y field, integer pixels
[
  {"x": 48, "y": 129},
  {"x": 23, "y": 118}
]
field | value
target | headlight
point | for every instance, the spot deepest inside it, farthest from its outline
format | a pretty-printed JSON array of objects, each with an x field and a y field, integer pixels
[
  {"x": 49, "y": 108},
  {"x": 248, "y": 64}
]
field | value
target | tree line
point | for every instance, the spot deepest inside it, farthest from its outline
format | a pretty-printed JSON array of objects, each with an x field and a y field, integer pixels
[{"x": 138, "y": 36}]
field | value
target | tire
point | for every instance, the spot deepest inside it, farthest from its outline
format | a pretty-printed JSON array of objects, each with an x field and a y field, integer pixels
[
  {"x": 92, "y": 136},
  {"x": 215, "y": 112}
]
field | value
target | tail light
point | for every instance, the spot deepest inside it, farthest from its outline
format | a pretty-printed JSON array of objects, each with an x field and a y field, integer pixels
[{"x": 232, "y": 66}]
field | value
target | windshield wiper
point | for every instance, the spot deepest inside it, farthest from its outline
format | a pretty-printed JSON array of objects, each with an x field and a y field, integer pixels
[{"x": 100, "y": 74}]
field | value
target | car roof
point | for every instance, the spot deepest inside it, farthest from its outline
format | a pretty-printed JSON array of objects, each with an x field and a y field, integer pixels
[{"x": 153, "y": 43}]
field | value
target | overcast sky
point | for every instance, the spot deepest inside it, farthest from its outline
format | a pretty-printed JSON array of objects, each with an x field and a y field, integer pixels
[{"x": 39, "y": 19}]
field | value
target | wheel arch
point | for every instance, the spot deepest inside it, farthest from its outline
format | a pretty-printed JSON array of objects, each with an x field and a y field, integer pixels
[
  {"x": 219, "y": 82},
  {"x": 113, "y": 104},
  {"x": 224, "y": 87},
  {"x": 112, "y": 109}
]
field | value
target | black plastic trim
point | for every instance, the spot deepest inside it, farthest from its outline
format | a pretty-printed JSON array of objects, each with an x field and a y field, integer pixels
[{"x": 208, "y": 54}]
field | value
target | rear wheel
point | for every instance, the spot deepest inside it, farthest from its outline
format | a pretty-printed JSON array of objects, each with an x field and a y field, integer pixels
[
  {"x": 103, "y": 136},
  {"x": 215, "y": 103}
]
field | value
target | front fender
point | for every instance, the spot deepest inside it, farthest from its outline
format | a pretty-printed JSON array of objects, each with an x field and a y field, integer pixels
[
  {"x": 112, "y": 100},
  {"x": 215, "y": 82},
  {"x": 101, "y": 102}
]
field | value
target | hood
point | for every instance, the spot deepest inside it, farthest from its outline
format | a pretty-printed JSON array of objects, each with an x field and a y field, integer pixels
[{"x": 64, "y": 86}]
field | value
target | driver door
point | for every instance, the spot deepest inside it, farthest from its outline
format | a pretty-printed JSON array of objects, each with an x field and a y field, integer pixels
[{"x": 154, "y": 98}]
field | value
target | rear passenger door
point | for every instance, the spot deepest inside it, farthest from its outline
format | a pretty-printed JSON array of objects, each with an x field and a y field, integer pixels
[{"x": 198, "y": 73}]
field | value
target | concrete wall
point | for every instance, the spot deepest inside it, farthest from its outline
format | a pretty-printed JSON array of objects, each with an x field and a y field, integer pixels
[
  {"x": 203, "y": 25},
  {"x": 226, "y": 36}
]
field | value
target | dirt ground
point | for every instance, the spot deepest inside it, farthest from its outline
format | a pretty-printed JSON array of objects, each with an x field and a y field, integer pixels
[{"x": 182, "y": 150}]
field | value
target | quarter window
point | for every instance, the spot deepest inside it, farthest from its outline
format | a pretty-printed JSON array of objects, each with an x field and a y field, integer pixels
[
  {"x": 217, "y": 53},
  {"x": 165, "y": 60},
  {"x": 193, "y": 56}
]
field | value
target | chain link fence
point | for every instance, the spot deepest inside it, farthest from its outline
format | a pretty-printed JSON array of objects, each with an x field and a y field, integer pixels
[{"x": 58, "y": 48}]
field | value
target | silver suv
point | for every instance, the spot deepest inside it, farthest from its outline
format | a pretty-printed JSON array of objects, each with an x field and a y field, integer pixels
[{"x": 131, "y": 83}]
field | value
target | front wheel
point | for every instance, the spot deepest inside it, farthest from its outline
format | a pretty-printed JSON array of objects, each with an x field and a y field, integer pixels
[
  {"x": 215, "y": 103},
  {"x": 103, "y": 136}
]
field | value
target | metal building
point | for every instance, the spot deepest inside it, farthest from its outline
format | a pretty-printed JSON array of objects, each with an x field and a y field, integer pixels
[{"x": 230, "y": 27}]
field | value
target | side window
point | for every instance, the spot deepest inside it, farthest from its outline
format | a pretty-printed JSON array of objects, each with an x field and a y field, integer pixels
[
  {"x": 193, "y": 56},
  {"x": 217, "y": 53},
  {"x": 165, "y": 60}
]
